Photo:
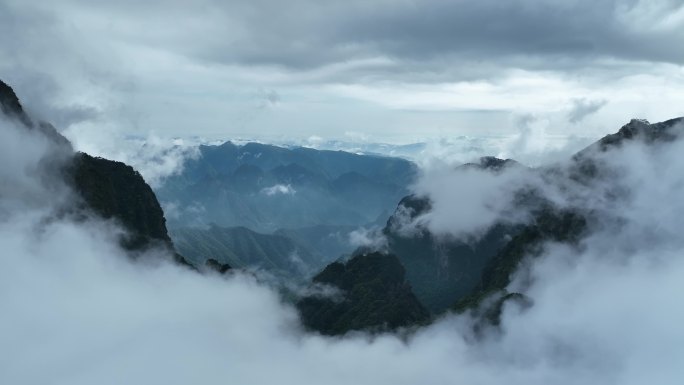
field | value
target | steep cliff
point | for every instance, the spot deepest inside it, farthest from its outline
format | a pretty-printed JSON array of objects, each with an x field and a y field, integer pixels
[{"x": 109, "y": 189}]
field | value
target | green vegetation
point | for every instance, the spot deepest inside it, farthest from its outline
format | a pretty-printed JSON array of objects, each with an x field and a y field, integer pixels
[{"x": 375, "y": 297}]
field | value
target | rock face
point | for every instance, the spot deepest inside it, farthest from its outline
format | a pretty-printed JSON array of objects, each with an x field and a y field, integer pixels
[
  {"x": 107, "y": 188},
  {"x": 115, "y": 190},
  {"x": 375, "y": 297}
]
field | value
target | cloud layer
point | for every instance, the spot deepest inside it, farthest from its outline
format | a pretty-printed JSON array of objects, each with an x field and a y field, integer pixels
[
  {"x": 74, "y": 306},
  {"x": 393, "y": 70}
]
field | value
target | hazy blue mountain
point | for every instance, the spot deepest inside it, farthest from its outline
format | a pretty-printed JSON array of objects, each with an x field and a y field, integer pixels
[
  {"x": 241, "y": 247},
  {"x": 328, "y": 241},
  {"x": 266, "y": 188}
]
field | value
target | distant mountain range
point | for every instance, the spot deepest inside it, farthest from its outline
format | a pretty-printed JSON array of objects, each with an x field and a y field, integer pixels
[
  {"x": 241, "y": 247},
  {"x": 287, "y": 201},
  {"x": 266, "y": 188},
  {"x": 290, "y": 253}
]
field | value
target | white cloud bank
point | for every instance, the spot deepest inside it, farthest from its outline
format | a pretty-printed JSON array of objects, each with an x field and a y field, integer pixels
[{"x": 75, "y": 310}]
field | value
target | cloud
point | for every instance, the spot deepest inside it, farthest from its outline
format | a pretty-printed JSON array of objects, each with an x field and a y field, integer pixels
[
  {"x": 535, "y": 142},
  {"x": 392, "y": 68},
  {"x": 155, "y": 157},
  {"x": 30, "y": 161},
  {"x": 372, "y": 239},
  {"x": 334, "y": 32},
  {"x": 279, "y": 189},
  {"x": 268, "y": 99},
  {"x": 581, "y": 108},
  {"x": 467, "y": 201}
]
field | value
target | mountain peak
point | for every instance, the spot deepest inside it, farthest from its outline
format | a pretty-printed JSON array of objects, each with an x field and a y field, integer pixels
[
  {"x": 638, "y": 121},
  {"x": 376, "y": 297},
  {"x": 636, "y": 129},
  {"x": 642, "y": 128},
  {"x": 10, "y": 105}
]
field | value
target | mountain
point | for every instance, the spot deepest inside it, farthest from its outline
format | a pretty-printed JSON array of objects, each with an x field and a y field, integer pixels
[
  {"x": 566, "y": 226},
  {"x": 241, "y": 247},
  {"x": 441, "y": 269},
  {"x": 267, "y": 188},
  {"x": 11, "y": 107},
  {"x": 111, "y": 190},
  {"x": 374, "y": 296},
  {"x": 329, "y": 242},
  {"x": 549, "y": 224},
  {"x": 449, "y": 275}
]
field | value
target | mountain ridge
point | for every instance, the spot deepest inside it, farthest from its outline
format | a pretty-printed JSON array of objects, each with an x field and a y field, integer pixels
[
  {"x": 266, "y": 188},
  {"x": 109, "y": 189},
  {"x": 487, "y": 293}
]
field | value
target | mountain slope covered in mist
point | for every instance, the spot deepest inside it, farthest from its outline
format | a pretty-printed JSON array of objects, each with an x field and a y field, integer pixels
[
  {"x": 289, "y": 253},
  {"x": 313, "y": 198},
  {"x": 241, "y": 247},
  {"x": 474, "y": 272},
  {"x": 109, "y": 189},
  {"x": 443, "y": 268}
]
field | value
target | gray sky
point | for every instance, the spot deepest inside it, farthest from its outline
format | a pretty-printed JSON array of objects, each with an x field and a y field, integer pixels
[{"x": 393, "y": 71}]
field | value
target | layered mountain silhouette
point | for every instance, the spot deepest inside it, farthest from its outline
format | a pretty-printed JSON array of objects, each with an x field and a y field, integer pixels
[
  {"x": 109, "y": 189},
  {"x": 241, "y": 247},
  {"x": 450, "y": 275},
  {"x": 289, "y": 253},
  {"x": 288, "y": 201},
  {"x": 266, "y": 188}
]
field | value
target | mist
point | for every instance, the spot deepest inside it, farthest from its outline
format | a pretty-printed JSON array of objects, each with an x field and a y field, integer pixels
[{"x": 77, "y": 310}]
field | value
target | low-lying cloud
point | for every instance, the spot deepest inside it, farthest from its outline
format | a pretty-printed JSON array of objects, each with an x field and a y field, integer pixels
[
  {"x": 581, "y": 108},
  {"x": 466, "y": 201},
  {"x": 155, "y": 157},
  {"x": 76, "y": 310}
]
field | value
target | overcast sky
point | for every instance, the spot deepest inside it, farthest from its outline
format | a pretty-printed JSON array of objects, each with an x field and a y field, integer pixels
[{"x": 395, "y": 71}]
